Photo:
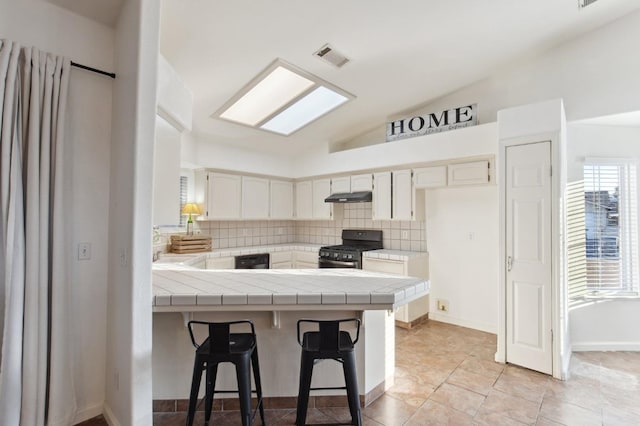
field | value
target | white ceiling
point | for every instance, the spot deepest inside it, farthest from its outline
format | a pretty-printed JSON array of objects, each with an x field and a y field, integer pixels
[{"x": 403, "y": 54}]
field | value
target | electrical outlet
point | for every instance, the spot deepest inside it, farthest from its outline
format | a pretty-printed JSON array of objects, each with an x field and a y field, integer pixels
[
  {"x": 280, "y": 231},
  {"x": 405, "y": 235},
  {"x": 443, "y": 305}
]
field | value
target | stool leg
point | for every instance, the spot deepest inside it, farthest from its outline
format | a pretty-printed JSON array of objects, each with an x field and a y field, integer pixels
[
  {"x": 306, "y": 371},
  {"x": 243, "y": 374},
  {"x": 351, "y": 381},
  {"x": 256, "y": 379},
  {"x": 195, "y": 386},
  {"x": 212, "y": 372}
]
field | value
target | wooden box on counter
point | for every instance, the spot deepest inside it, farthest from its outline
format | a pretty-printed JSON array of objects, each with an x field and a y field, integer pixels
[{"x": 184, "y": 244}]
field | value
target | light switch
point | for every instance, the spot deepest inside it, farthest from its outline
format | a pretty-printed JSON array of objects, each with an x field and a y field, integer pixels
[{"x": 84, "y": 251}]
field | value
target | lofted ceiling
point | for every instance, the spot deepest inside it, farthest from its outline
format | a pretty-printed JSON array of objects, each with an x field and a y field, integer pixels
[{"x": 403, "y": 54}]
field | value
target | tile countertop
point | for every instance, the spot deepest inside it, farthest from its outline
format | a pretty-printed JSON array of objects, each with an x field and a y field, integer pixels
[
  {"x": 184, "y": 289},
  {"x": 192, "y": 259}
]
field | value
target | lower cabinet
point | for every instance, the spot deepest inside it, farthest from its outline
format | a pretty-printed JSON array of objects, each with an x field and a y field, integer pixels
[
  {"x": 412, "y": 266},
  {"x": 305, "y": 260},
  {"x": 221, "y": 263},
  {"x": 281, "y": 260}
]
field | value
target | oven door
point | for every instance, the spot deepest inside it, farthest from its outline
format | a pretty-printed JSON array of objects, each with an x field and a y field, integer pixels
[{"x": 327, "y": 263}]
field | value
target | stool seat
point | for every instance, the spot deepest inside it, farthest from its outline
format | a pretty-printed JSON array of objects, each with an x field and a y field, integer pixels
[
  {"x": 221, "y": 346},
  {"x": 329, "y": 342}
]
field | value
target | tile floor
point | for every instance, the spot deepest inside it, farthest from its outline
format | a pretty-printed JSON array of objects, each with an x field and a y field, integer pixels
[{"x": 445, "y": 376}]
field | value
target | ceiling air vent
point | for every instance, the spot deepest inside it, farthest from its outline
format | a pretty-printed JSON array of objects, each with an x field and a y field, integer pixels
[
  {"x": 585, "y": 3},
  {"x": 335, "y": 58}
]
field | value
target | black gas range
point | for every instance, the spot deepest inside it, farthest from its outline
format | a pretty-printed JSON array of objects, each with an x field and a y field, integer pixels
[{"x": 349, "y": 253}]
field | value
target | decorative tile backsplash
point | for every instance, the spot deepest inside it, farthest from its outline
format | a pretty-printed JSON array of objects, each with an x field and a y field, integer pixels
[{"x": 397, "y": 235}]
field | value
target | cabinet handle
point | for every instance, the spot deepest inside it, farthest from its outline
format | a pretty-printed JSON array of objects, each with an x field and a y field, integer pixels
[{"x": 509, "y": 263}]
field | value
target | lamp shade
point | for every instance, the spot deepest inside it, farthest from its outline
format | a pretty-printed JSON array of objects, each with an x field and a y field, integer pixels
[{"x": 191, "y": 209}]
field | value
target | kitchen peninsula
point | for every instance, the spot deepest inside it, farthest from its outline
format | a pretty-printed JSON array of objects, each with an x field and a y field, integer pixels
[{"x": 275, "y": 300}]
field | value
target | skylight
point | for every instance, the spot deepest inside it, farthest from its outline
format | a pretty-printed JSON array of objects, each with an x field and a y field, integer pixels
[{"x": 282, "y": 99}]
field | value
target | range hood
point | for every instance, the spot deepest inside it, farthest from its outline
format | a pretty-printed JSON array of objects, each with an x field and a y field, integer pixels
[{"x": 349, "y": 197}]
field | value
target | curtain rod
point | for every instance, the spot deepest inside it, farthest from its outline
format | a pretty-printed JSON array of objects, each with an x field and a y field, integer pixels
[{"x": 84, "y": 67}]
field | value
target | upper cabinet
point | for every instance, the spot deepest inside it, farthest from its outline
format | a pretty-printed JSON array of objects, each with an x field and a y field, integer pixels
[
  {"x": 321, "y": 190},
  {"x": 310, "y": 196},
  {"x": 472, "y": 173},
  {"x": 381, "y": 205},
  {"x": 255, "y": 198},
  {"x": 281, "y": 200},
  {"x": 223, "y": 197},
  {"x": 362, "y": 182},
  {"x": 430, "y": 177},
  {"x": 395, "y": 197},
  {"x": 341, "y": 185}
]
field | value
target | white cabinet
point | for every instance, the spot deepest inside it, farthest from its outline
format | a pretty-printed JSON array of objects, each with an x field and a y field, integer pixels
[
  {"x": 281, "y": 200},
  {"x": 310, "y": 197},
  {"x": 304, "y": 200},
  {"x": 221, "y": 263},
  {"x": 362, "y": 182},
  {"x": 413, "y": 266},
  {"x": 471, "y": 173},
  {"x": 255, "y": 198},
  {"x": 341, "y": 185},
  {"x": 430, "y": 177},
  {"x": 305, "y": 259},
  {"x": 321, "y": 190},
  {"x": 403, "y": 198},
  {"x": 219, "y": 195},
  {"x": 281, "y": 260},
  {"x": 381, "y": 203}
]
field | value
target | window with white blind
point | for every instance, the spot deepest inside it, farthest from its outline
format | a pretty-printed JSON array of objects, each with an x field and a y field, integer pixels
[
  {"x": 611, "y": 227},
  {"x": 184, "y": 188}
]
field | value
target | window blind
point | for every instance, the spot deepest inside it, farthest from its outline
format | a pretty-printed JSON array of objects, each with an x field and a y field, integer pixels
[
  {"x": 611, "y": 244},
  {"x": 184, "y": 187}
]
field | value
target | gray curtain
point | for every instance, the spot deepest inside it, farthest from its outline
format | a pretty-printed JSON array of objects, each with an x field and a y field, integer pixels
[{"x": 36, "y": 386}]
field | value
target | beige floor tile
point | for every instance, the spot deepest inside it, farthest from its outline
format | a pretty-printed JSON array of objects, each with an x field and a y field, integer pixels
[
  {"x": 458, "y": 398},
  {"x": 582, "y": 391},
  {"x": 484, "y": 419},
  {"x": 484, "y": 367},
  {"x": 389, "y": 411},
  {"x": 619, "y": 417},
  {"x": 543, "y": 421},
  {"x": 499, "y": 403},
  {"x": 433, "y": 413},
  {"x": 471, "y": 381},
  {"x": 569, "y": 414},
  {"x": 411, "y": 390},
  {"x": 524, "y": 383}
]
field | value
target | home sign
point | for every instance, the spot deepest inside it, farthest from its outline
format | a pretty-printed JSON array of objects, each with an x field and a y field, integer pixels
[{"x": 434, "y": 122}]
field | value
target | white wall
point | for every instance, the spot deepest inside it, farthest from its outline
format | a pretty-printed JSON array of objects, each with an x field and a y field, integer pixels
[
  {"x": 166, "y": 174},
  {"x": 594, "y": 74},
  {"x": 603, "y": 325},
  {"x": 462, "y": 239},
  {"x": 87, "y": 145},
  {"x": 128, "y": 384}
]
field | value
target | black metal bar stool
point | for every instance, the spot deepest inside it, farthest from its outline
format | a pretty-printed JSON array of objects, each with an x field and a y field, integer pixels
[
  {"x": 329, "y": 342},
  {"x": 239, "y": 349}
]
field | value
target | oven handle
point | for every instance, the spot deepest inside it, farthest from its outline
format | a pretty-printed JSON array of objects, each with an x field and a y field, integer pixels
[{"x": 338, "y": 262}]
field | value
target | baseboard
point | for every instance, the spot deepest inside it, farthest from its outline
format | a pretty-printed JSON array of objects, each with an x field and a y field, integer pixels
[
  {"x": 487, "y": 328},
  {"x": 409, "y": 325},
  {"x": 605, "y": 346},
  {"x": 88, "y": 413},
  {"x": 109, "y": 416}
]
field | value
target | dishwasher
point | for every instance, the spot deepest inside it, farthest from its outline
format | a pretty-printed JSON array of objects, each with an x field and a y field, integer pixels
[{"x": 253, "y": 261}]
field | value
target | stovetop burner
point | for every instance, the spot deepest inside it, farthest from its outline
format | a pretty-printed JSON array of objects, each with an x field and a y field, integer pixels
[{"x": 354, "y": 242}]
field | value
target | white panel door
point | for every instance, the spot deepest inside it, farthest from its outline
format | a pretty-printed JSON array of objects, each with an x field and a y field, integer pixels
[
  {"x": 281, "y": 201},
  {"x": 381, "y": 208},
  {"x": 321, "y": 190},
  {"x": 224, "y": 196},
  {"x": 255, "y": 198},
  {"x": 528, "y": 251},
  {"x": 402, "y": 195},
  {"x": 304, "y": 200}
]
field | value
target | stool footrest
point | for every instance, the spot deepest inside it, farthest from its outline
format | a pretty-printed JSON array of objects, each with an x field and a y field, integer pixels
[
  {"x": 330, "y": 388},
  {"x": 231, "y": 391}
]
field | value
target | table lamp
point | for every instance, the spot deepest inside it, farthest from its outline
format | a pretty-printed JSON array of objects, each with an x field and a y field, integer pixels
[{"x": 191, "y": 209}]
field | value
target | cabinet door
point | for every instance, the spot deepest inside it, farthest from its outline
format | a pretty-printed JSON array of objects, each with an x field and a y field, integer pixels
[
  {"x": 395, "y": 267},
  {"x": 473, "y": 173},
  {"x": 381, "y": 208},
  {"x": 341, "y": 185},
  {"x": 321, "y": 190},
  {"x": 362, "y": 182},
  {"x": 430, "y": 177},
  {"x": 255, "y": 198},
  {"x": 403, "y": 195},
  {"x": 221, "y": 263},
  {"x": 306, "y": 259},
  {"x": 223, "y": 196},
  {"x": 281, "y": 203},
  {"x": 304, "y": 200}
]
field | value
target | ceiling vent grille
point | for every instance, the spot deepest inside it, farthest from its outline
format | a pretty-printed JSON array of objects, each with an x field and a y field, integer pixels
[
  {"x": 585, "y": 3},
  {"x": 335, "y": 58}
]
